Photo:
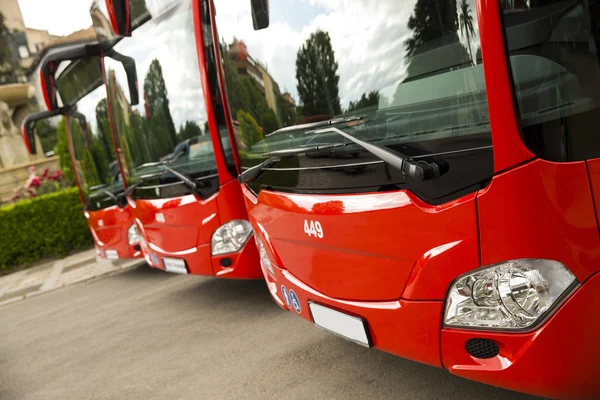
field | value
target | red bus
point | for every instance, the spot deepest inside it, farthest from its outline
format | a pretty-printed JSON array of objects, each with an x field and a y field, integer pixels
[
  {"x": 175, "y": 148},
  {"x": 77, "y": 93},
  {"x": 447, "y": 212}
]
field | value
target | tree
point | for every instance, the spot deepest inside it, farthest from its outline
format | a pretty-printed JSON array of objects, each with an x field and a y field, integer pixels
[
  {"x": 287, "y": 112},
  {"x": 433, "y": 23},
  {"x": 466, "y": 24},
  {"x": 316, "y": 76},
  {"x": 431, "y": 19},
  {"x": 249, "y": 129},
  {"x": 269, "y": 122},
  {"x": 62, "y": 151},
  {"x": 188, "y": 131},
  {"x": 47, "y": 134},
  {"x": 365, "y": 101},
  {"x": 9, "y": 70},
  {"x": 103, "y": 124},
  {"x": 157, "y": 100}
]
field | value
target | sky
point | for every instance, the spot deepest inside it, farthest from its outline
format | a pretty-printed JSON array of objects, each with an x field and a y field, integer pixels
[
  {"x": 367, "y": 36},
  {"x": 59, "y": 17}
]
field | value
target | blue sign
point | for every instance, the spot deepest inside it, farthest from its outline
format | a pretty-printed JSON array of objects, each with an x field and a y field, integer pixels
[
  {"x": 295, "y": 301},
  {"x": 286, "y": 296},
  {"x": 154, "y": 259}
]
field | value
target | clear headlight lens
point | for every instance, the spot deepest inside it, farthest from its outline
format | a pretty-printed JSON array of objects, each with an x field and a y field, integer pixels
[
  {"x": 264, "y": 258},
  {"x": 511, "y": 295},
  {"x": 230, "y": 237},
  {"x": 133, "y": 234}
]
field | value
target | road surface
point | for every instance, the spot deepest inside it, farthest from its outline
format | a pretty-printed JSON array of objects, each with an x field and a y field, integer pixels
[{"x": 146, "y": 334}]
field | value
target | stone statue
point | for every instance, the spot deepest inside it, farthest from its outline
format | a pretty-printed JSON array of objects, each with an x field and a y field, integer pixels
[
  {"x": 12, "y": 147},
  {"x": 7, "y": 127}
]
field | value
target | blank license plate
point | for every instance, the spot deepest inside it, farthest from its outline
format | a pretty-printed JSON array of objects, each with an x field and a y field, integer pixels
[
  {"x": 112, "y": 254},
  {"x": 175, "y": 265},
  {"x": 347, "y": 326}
]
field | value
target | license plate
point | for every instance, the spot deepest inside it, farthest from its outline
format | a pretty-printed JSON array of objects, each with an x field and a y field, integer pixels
[
  {"x": 112, "y": 254},
  {"x": 175, "y": 265},
  {"x": 344, "y": 325}
]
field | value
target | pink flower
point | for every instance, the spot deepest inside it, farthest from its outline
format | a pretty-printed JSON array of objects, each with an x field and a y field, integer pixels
[{"x": 35, "y": 182}]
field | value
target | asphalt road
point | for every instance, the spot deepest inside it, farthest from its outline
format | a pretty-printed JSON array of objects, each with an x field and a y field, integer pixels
[{"x": 146, "y": 334}]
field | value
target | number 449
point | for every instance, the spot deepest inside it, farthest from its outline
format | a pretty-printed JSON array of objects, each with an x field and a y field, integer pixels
[{"x": 313, "y": 228}]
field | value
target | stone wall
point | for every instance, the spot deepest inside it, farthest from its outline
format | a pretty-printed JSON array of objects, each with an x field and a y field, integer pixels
[{"x": 15, "y": 177}]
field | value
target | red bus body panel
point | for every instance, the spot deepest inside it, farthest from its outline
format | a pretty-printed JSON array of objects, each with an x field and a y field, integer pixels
[
  {"x": 352, "y": 260},
  {"x": 594, "y": 174},
  {"x": 541, "y": 210},
  {"x": 109, "y": 228},
  {"x": 561, "y": 359},
  {"x": 184, "y": 231},
  {"x": 390, "y": 258}
]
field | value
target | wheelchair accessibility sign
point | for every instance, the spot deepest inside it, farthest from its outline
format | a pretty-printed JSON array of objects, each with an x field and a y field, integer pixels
[{"x": 291, "y": 299}]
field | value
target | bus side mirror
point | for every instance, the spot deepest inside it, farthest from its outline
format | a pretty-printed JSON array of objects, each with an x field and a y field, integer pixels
[
  {"x": 50, "y": 63},
  {"x": 119, "y": 16},
  {"x": 260, "y": 14},
  {"x": 131, "y": 72},
  {"x": 28, "y": 127}
]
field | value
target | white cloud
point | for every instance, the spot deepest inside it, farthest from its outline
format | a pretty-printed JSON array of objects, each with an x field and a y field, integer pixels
[
  {"x": 59, "y": 17},
  {"x": 172, "y": 42},
  {"x": 367, "y": 37}
]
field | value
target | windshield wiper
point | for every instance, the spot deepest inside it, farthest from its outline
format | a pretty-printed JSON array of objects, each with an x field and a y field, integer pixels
[
  {"x": 275, "y": 156},
  {"x": 183, "y": 178},
  {"x": 418, "y": 170}
]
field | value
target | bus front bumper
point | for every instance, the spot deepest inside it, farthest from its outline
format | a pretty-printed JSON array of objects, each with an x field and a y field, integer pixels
[
  {"x": 242, "y": 264},
  {"x": 119, "y": 250},
  {"x": 559, "y": 359}
]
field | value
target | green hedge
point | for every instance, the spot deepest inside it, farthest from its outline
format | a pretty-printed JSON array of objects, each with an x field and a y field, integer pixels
[{"x": 46, "y": 226}]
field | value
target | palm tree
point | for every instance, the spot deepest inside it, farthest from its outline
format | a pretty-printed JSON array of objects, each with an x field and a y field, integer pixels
[{"x": 466, "y": 24}]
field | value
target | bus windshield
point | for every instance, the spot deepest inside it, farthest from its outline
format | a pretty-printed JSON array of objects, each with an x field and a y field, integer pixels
[
  {"x": 166, "y": 136},
  {"x": 95, "y": 162},
  {"x": 553, "y": 54},
  {"x": 408, "y": 74}
]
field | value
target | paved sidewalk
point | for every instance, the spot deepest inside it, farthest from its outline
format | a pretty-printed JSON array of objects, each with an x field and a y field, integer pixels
[{"x": 44, "y": 278}]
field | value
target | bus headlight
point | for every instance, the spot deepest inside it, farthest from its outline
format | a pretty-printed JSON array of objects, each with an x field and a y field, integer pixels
[
  {"x": 264, "y": 258},
  {"x": 511, "y": 295},
  {"x": 230, "y": 237},
  {"x": 133, "y": 234}
]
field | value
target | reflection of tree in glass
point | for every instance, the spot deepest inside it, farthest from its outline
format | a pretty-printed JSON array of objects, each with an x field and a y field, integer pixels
[
  {"x": 466, "y": 24},
  {"x": 287, "y": 112},
  {"x": 249, "y": 129},
  {"x": 435, "y": 25},
  {"x": 103, "y": 124},
  {"x": 430, "y": 20},
  {"x": 366, "y": 100},
  {"x": 188, "y": 131},
  {"x": 157, "y": 103},
  {"x": 269, "y": 122},
  {"x": 316, "y": 76},
  {"x": 62, "y": 151},
  {"x": 47, "y": 134},
  {"x": 243, "y": 94}
]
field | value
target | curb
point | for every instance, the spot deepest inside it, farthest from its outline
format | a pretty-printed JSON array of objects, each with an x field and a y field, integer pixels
[{"x": 118, "y": 269}]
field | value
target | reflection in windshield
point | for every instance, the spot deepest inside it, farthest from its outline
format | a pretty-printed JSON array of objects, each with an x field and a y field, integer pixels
[
  {"x": 170, "y": 123},
  {"x": 410, "y": 69},
  {"x": 95, "y": 163}
]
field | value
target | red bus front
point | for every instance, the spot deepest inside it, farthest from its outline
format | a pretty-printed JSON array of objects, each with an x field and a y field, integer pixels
[
  {"x": 174, "y": 145},
  {"x": 97, "y": 175},
  {"x": 446, "y": 210}
]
